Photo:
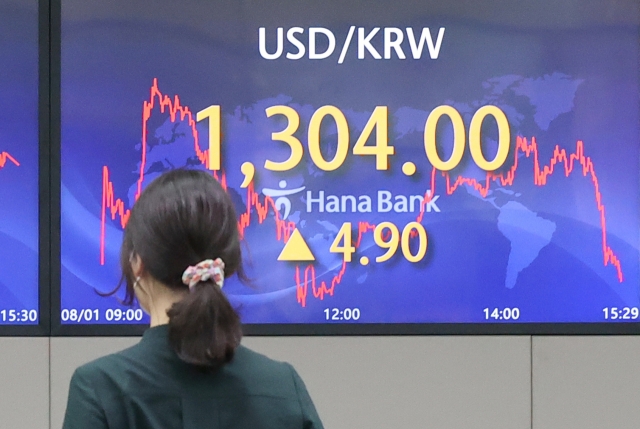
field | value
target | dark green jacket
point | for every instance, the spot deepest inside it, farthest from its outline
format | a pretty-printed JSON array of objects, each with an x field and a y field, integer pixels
[{"x": 148, "y": 387}]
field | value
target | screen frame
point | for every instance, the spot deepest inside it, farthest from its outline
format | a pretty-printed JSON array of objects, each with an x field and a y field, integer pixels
[
  {"x": 45, "y": 151},
  {"x": 52, "y": 99},
  {"x": 380, "y": 329}
]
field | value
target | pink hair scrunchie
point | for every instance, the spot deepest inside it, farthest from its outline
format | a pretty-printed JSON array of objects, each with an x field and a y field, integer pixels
[{"x": 203, "y": 271}]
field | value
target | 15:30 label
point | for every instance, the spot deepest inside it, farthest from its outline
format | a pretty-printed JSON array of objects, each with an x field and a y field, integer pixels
[{"x": 18, "y": 316}]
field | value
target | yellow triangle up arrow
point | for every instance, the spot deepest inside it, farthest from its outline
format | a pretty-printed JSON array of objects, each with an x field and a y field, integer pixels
[{"x": 296, "y": 249}]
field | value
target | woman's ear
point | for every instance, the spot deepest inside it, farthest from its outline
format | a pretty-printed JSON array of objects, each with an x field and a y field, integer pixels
[{"x": 137, "y": 267}]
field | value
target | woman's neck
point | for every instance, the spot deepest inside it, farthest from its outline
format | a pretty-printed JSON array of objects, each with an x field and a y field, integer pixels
[{"x": 162, "y": 301}]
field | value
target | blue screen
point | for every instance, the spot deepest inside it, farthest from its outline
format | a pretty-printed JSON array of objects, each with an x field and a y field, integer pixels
[
  {"x": 411, "y": 163},
  {"x": 19, "y": 162}
]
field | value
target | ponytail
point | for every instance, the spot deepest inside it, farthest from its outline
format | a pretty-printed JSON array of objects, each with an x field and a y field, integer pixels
[{"x": 204, "y": 329}]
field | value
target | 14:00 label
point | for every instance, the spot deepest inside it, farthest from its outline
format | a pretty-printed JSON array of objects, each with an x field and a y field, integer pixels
[{"x": 501, "y": 313}]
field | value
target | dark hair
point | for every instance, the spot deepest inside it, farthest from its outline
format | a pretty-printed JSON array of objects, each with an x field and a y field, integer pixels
[{"x": 182, "y": 218}]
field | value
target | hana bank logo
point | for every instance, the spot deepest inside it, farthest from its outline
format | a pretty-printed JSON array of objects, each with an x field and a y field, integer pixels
[{"x": 280, "y": 197}]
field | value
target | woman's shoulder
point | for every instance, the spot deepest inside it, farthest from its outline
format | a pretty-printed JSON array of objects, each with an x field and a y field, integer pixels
[
  {"x": 260, "y": 371},
  {"x": 106, "y": 365},
  {"x": 246, "y": 359},
  {"x": 250, "y": 371},
  {"x": 266, "y": 377}
]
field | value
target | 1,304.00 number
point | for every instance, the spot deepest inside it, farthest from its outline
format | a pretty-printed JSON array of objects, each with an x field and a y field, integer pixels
[{"x": 381, "y": 150}]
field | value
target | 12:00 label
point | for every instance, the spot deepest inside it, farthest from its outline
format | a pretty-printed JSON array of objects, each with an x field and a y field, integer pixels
[{"x": 342, "y": 314}]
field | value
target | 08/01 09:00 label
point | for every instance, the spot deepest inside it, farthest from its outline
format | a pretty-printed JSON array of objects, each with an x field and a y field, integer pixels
[{"x": 88, "y": 315}]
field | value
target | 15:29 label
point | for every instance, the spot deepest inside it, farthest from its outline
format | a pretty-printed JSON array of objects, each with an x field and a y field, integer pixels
[{"x": 621, "y": 313}]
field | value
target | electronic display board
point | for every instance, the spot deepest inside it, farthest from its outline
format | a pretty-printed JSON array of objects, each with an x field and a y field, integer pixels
[
  {"x": 417, "y": 164},
  {"x": 19, "y": 164}
]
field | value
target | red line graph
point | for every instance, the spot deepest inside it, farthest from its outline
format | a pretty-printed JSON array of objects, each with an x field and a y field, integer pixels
[
  {"x": 540, "y": 177},
  {"x": 115, "y": 207},
  {"x": 541, "y": 174},
  {"x": 5, "y": 157}
]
